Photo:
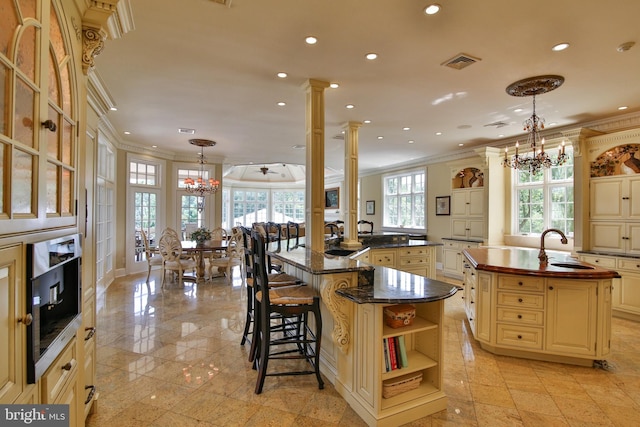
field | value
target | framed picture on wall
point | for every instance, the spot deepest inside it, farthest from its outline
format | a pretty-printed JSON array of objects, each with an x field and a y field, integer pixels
[
  {"x": 371, "y": 207},
  {"x": 332, "y": 198},
  {"x": 443, "y": 206}
]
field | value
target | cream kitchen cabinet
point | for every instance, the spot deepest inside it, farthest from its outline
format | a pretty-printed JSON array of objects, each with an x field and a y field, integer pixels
[
  {"x": 615, "y": 237},
  {"x": 615, "y": 198},
  {"x": 419, "y": 260},
  {"x": 452, "y": 259},
  {"x": 468, "y": 202},
  {"x": 466, "y": 229},
  {"x": 12, "y": 316},
  {"x": 625, "y": 301}
]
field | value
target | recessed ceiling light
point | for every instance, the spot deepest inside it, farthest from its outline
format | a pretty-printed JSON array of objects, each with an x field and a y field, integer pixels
[
  {"x": 381, "y": 137},
  {"x": 560, "y": 46},
  {"x": 282, "y": 75},
  {"x": 501, "y": 135},
  {"x": 114, "y": 108},
  {"x": 367, "y": 122},
  {"x": 432, "y": 9},
  {"x": 438, "y": 133},
  {"x": 411, "y": 141},
  {"x": 281, "y": 104},
  {"x": 371, "y": 56},
  {"x": 154, "y": 146},
  {"x": 334, "y": 85},
  {"x": 517, "y": 110},
  {"x": 349, "y": 106},
  {"x": 553, "y": 123},
  {"x": 406, "y": 128},
  {"x": 311, "y": 40},
  {"x": 461, "y": 145},
  {"x": 126, "y": 132},
  {"x": 624, "y": 107}
]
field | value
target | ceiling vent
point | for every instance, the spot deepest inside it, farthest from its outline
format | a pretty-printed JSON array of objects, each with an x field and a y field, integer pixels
[
  {"x": 186, "y": 131},
  {"x": 460, "y": 61},
  {"x": 339, "y": 136},
  {"x": 497, "y": 124}
]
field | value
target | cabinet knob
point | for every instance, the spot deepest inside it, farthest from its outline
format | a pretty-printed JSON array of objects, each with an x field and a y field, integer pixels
[
  {"x": 519, "y": 337},
  {"x": 519, "y": 316},
  {"x": 67, "y": 366},
  {"x": 625, "y": 198},
  {"x": 519, "y": 299},
  {"x": 520, "y": 283},
  {"x": 597, "y": 260},
  {"x": 26, "y": 320},
  {"x": 550, "y": 288}
]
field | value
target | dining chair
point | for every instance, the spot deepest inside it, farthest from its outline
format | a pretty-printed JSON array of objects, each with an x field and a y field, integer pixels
[
  {"x": 153, "y": 257},
  {"x": 232, "y": 257},
  {"x": 332, "y": 229},
  {"x": 263, "y": 229},
  {"x": 296, "y": 336},
  {"x": 170, "y": 248},
  {"x": 365, "y": 227},
  {"x": 275, "y": 280}
]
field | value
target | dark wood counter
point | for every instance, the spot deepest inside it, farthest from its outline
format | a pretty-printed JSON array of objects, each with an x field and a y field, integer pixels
[{"x": 524, "y": 261}]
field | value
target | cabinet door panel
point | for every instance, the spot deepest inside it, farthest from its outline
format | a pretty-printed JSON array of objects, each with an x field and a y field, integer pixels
[
  {"x": 571, "y": 316},
  {"x": 459, "y": 203},
  {"x": 606, "y": 199},
  {"x": 607, "y": 236},
  {"x": 634, "y": 198},
  {"x": 476, "y": 202},
  {"x": 12, "y": 333}
]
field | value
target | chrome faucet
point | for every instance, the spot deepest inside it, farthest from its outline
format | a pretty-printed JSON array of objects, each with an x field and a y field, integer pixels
[{"x": 542, "y": 255}]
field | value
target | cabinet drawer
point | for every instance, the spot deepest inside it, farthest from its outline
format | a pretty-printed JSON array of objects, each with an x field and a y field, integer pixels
[
  {"x": 420, "y": 251},
  {"x": 63, "y": 369},
  {"x": 519, "y": 336},
  {"x": 450, "y": 244},
  {"x": 386, "y": 259},
  {"x": 413, "y": 262},
  {"x": 629, "y": 264},
  {"x": 523, "y": 317},
  {"x": 601, "y": 261},
  {"x": 521, "y": 283},
  {"x": 513, "y": 299}
]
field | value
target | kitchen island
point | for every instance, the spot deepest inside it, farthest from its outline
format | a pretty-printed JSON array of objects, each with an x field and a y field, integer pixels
[
  {"x": 559, "y": 311},
  {"x": 354, "y": 294}
]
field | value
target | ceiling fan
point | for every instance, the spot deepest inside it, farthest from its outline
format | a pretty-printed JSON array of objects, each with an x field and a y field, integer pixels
[{"x": 265, "y": 170}]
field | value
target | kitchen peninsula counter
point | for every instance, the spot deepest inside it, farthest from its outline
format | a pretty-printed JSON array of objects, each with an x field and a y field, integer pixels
[
  {"x": 516, "y": 307},
  {"x": 354, "y": 292}
]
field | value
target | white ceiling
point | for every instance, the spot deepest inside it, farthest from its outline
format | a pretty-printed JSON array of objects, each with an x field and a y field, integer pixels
[{"x": 202, "y": 65}]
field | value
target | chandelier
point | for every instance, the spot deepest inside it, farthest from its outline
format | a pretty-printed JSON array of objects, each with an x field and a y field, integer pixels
[
  {"x": 535, "y": 158},
  {"x": 199, "y": 186}
]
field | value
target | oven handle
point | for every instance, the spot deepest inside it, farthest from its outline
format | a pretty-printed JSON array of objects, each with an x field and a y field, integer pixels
[{"x": 92, "y": 332}]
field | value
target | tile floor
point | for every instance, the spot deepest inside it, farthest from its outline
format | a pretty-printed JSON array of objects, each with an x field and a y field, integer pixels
[{"x": 172, "y": 358}]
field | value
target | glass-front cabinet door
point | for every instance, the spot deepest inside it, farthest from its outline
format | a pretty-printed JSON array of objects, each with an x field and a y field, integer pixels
[{"x": 38, "y": 117}]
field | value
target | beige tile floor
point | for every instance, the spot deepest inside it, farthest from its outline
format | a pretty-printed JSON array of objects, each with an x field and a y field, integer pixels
[{"x": 173, "y": 358}]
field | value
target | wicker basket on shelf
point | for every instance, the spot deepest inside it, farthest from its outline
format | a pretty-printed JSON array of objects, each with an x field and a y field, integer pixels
[
  {"x": 397, "y": 316},
  {"x": 395, "y": 386}
]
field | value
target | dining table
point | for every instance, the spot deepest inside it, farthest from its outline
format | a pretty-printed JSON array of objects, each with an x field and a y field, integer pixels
[{"x": 200, "y": 249}]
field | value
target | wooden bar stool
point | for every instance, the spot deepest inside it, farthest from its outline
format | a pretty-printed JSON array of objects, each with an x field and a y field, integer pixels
[
  {"x": 293, "y": 337},
  {"x": 275, "y": 280}
]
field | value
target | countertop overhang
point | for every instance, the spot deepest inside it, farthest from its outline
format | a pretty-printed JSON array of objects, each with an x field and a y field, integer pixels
[
  {"x": 392, "y": 286},
  {"x": 524, "y": 261}
]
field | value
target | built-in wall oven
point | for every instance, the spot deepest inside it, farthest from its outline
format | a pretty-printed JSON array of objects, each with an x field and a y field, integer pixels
[{"x": 54, "y": 293}]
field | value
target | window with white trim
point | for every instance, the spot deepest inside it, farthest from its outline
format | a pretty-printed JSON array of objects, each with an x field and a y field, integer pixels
[
  {"x": 287, "y": 205},
  {"x": 544, "y": 199},
  {"x": 404, "y": 196}
]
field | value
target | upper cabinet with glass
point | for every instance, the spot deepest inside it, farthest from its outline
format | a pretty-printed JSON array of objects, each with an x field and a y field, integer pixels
[{"x": 38, "y": 116}]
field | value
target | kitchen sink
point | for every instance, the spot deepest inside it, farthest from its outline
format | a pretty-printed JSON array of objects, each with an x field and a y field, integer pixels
[
  {"x": 339, "y": 252},
  {"x": 572, "y": 265}
]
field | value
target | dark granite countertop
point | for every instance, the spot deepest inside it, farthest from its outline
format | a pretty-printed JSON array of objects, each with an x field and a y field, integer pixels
[
  {"x": 392, "y": 286},
  {"x": 524, "y": 261}
]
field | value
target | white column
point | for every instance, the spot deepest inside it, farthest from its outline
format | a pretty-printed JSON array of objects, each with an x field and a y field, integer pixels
[
  {"x": 351, "y": 185},
  {"x": 314, "y": 191}
]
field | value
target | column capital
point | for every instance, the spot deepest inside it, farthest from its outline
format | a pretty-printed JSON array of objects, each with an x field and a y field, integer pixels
[
  {"x": 313, "y": 83},
  {"x": 352, "y": 125}
]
